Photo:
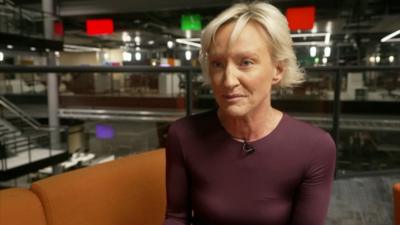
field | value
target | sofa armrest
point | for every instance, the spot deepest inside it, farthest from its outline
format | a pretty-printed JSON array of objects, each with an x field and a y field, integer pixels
[
  {"x": 130, "y": 190},
  {"x": 20, "y": 206},
  {"x": 396, "y": 203}
]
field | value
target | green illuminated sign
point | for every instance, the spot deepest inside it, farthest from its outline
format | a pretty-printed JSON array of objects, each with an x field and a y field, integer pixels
[{"x": 191, "y": 22}]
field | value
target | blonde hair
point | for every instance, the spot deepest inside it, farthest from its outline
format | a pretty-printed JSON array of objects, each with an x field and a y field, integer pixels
[{"x": 278, "y": 33}]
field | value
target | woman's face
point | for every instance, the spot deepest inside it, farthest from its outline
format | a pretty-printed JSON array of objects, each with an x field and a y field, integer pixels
[{"x": 242, "y": 73}]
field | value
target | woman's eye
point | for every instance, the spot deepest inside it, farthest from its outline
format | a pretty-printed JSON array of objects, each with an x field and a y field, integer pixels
[
  {"x": 216, "y": 64},
  {"x": 247, "y": 62}
]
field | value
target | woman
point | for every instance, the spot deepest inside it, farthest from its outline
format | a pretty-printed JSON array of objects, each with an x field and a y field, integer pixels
[{"x": 248, "y": 163}]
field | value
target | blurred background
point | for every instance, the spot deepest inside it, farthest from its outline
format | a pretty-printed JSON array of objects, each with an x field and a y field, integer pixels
[{"x": 83, "y": 82}]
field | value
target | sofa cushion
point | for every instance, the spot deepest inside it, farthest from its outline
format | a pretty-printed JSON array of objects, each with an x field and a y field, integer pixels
[
  {"x": 20, "y": 206},
  {"x": 396, "y": 200},
  {"x": 127, "y": 191}
]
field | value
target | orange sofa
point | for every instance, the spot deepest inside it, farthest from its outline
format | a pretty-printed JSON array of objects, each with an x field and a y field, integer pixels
[
  {"x": 396, "y": 200},
  {"x": 127, "y": 191}
]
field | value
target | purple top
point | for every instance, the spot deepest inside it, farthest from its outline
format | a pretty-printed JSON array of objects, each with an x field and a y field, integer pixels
[{"x": 212, "y": 181}]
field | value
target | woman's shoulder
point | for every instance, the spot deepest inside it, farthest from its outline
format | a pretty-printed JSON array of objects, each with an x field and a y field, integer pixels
[
  {"x": 305, "y": 132},
  {"x": 295, "y": 124},
  {"x": 309, "y": 139}
]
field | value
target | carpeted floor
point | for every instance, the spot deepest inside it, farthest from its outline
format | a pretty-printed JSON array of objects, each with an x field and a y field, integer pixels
[{"x": 362, "y": 201}]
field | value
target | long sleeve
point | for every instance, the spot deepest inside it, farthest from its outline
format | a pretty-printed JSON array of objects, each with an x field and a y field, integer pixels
[
  {"x": 312, "y": 198},
  {"x": 178, "y": 204}
]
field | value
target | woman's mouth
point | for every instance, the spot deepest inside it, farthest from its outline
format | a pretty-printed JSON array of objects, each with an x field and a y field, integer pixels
[{"x": 233, "y": 97}]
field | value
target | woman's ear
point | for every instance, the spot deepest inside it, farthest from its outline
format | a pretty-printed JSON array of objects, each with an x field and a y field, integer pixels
[{"x": 278, "y": 72}]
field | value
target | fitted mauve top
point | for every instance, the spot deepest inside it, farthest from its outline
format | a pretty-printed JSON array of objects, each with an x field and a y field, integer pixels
[{"x": 212, "y": 181}]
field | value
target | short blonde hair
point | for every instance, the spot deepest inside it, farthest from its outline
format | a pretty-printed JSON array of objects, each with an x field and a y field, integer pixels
[{"x": 278, "y": 33}]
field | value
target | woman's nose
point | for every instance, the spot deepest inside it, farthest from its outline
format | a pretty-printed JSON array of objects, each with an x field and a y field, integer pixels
[{"x": 230, "y": 77}]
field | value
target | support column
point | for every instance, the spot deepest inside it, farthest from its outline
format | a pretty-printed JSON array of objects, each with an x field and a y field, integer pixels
[
  {"x": 52, "y": 84},
  {"x": 52, "y": 101},
  {"x": 48, "y": 18}
]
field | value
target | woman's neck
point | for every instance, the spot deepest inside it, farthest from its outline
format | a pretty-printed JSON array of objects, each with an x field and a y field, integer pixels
[{"x": 251, "y": 127}]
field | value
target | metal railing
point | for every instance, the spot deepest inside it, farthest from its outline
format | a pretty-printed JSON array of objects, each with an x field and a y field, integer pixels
[
  {"x": 21, "y": 114},
  {"x": 22, "y": 145},
  {"x": 337, "y": 71},
  {"x": 335, "y": 122},
  {"x": 57, "y": 70},
  {"x": 120, "y": 115}
]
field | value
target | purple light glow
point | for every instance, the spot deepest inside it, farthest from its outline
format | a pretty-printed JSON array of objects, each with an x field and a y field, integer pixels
[{"x": 104, "y": 131}]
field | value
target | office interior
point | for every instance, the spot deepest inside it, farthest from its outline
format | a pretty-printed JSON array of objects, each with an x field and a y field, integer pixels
[{"x": 75, "y": 94}]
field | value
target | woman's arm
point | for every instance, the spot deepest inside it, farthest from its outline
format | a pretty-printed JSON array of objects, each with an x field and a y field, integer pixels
[
  {"x": 178, "y": 204},
  {"x": 312, "y": 198}
]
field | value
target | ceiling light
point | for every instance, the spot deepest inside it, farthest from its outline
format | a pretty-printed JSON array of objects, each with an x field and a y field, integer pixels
[
  {"x": 389, "y": 36},
  {"x": 127, "y": 56},
  {"x": 126, "y": 37},
  {"x": 10, "y": 46},
  {"x": 57, "y": 53},
  {"x": 151, "y": 42},
  {"x": 327, "y": 38},
  {"x": 299, "y": 39},
  {"x": 189, "y": 41},
  {"x": 315, "y": 28},
  {"x": 372, "y": 59},
  {"x": 138, "y": 56},
  {"x": 170, "y": 44},
  {"x": 313, "y": 51},
  {"x": 329, "y": 27},
  {"x": 377, "y": 59},
  {"x": 188, "y": 55},
  {"x": 391, "y": 59},
  {"x": 188, "y": 34},
  {"x": 78, "y": 48},
  {"x": 1, "y": 56},
  {"x": 137, "y": 39},
  {"x": 324, "y": 60},
  {"x": 327, "y": 51},
  {"x": 106, "y": 55},
  {"x": 394, "y": 40},
  {"x": 32, "y": 49},
  {"x": 307, "y": 43},
  {"x": 316, "y": 60}
]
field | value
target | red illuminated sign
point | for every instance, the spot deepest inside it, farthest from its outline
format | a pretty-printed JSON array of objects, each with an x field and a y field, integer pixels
[
  {"x": 99, "y": 26},
  {"x": 58, "y": 28},
  {"x": 301, "y": 18}
]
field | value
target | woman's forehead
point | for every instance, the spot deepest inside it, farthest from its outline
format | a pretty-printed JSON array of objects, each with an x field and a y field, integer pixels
[{"x": 252, "y": 37}]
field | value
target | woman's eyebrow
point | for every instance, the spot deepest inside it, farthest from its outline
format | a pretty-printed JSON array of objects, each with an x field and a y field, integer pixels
[
  {"x": 247, "y": 52},
  {"x": 216, "y": 55}
]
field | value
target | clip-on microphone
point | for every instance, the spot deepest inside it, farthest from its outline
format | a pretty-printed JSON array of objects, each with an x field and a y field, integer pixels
[{"x": 247, "y": 148}]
